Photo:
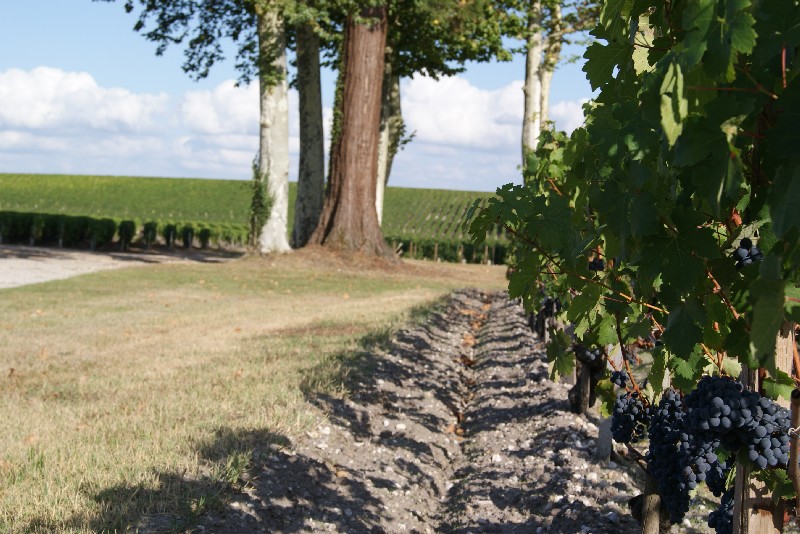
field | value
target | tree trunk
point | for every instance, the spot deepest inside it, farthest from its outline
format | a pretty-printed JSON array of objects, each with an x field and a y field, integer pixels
[
  {"x": 349, "y": 221},
  {"x": 273, "y": 155},
  {"x": 552, "y": 54},
  {"x": 311, "y": 177},
  {"x": 532, "y": 119},
  {"x": 390, "y": 131}
]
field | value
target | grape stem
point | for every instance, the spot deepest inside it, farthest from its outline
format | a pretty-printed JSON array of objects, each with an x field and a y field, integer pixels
[
  {"x": 719, "y": 291},
  {"x": 625, "y": 356},
  {"x": 783, "y": 75},
  {"x": 637, "y": 456}
]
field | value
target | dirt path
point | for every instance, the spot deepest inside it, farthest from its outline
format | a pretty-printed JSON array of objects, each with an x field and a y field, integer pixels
[
  {"x": 456, "y": 429},
  {"x": 21, "y": 265}
]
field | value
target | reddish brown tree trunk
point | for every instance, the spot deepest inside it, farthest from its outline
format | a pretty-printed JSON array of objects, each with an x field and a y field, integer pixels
[{"x": 349, "y": 221}]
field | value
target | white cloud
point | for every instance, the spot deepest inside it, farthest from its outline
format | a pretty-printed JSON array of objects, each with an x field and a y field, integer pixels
[
  {"x": 227, "y": 109},
  {"x": 53, "y": 99},
  {"x": 454, "y": 112},
  {"x": 57, "y": 121},
  {"x": 568, "y": 115}
]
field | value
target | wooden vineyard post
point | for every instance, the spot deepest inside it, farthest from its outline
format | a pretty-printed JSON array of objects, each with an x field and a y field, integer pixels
[
  {"x": 436, "y": 251},
  {"x": 605, "y": 441},
  {"x": 753, "y": 512},
  {"x": 651, "y": 509}
]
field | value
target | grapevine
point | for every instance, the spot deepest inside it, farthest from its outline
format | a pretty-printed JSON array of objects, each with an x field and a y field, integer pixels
[{"x": 686, "y": 175}]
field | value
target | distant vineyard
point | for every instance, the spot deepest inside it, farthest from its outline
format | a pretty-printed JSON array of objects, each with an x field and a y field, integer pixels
[{"x": 422, "y": 223}]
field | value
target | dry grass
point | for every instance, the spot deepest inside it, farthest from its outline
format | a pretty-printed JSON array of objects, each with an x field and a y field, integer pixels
[{"x": 143, "y": 392}]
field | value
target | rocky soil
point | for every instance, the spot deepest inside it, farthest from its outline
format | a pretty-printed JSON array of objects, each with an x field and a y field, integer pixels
[{"x": 455, "y": 428}]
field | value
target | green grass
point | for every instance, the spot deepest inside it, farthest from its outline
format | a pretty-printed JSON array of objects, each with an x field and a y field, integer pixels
[
  {"x": 409, "y": 214},
  {"x": 146, "y": 392}
]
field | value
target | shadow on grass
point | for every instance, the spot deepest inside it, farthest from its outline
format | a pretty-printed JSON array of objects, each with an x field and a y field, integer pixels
[{"x": 173, "y": 501}]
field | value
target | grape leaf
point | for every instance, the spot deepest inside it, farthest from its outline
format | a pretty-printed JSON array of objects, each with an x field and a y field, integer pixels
[
  {"x": 601, "y": 60},
  {"x": 696, "y": 20},
  {"x": 682, "y": 333},
  {"x": 614, "y": 15},
  {"x": 781, "y": 385},
  {"x": 658, "y": 369},
  {"x": 561, "y": 362},
  {"x": 686, "y": 370},
  {"x": 784, "y": 201},
  {"x": 730, "y": 33},
  {"x": 585, "y": 304},
  {"x": 768, "y": 294},
  {"x": 674, "y": 106}
]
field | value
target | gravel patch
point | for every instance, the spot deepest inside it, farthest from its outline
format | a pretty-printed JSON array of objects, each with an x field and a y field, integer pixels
[
  {"x": 457, "y": 429},
  {"x": 22, "y": 265}
]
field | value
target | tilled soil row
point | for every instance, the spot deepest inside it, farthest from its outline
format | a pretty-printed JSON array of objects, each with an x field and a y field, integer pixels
[{"x": 456, "y": 429}]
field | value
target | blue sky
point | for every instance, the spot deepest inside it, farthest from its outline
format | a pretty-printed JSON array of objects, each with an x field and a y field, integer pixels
[{"x": 82, "y": 93}]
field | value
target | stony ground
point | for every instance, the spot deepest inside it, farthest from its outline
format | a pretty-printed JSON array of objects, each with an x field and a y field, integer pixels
[{"x": 455, "y": 429}]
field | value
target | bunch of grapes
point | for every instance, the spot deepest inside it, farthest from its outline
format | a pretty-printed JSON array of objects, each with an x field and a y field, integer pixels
[
  {"x": 746, "y": 253},
  {"x": 721, "y": 519},
  {"x": 620, "y": 378},
  {"x": 663, "y": 458},
  {"x": 630, "y": 418},
  {"x": 721, "y": 409},
  {"x": 597, "y": 264},
  {"x": 588, "y": 356}
]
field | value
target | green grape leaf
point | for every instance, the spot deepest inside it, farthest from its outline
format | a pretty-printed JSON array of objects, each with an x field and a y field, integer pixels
[
  {"x": 644, "y": 215},
  {"x": 732, "y": 367},
  {"x": 674, "y": 106},
  {"x": 561, "y": 361},
  {"x": 658, "y": 369},
  {"x": 777, "y": 480},
  {"x": 781, "y": 385},
  {"x": 682, "y": 333},
  {"x": 585, "y": 305},
  {"x": 730, "y": 33},
  {"x": 784, "y": 200},
  {"x": 554, "y": 222},
  {"x": 604, "y": 390},
  {"x": 685, "y": 371},
  {"x": 614, "y": 15},
  {"x": 607, "y": 331},
  {"x": 601, "y": 60},
  {"x": 768, "y": 293},
  {"x": 697, "y": 19},
  {"x": 524, "y": 284}
]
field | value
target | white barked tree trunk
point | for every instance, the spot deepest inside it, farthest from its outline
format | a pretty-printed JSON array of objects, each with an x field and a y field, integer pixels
[
  {"x": 390, "y": 132},
  {"x": 532, "y": 118},
  {"x": 273, "y": 156},
  {"x": 311, "y": 175}
]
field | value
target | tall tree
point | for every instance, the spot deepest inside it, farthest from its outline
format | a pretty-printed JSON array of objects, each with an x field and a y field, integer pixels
[
  {"x": 273, "y": 153},
  {"x": 544, "y": 26},
  {"x": 348, "y": 221},
  {"x": 258, "y": 29},
  {"x": 435, "y": 38},
  {"x": 311, "y": 175}
]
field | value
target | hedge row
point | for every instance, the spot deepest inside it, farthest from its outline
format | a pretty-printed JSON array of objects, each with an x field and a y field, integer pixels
[
  {"x": 450, "y": 250},
  {"x": 92, "y": 232}
]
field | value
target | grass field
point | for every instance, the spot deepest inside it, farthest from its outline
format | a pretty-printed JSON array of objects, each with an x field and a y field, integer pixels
[
  {"x": 145, "y": 390},
  {"x": 409, "y": 214}
]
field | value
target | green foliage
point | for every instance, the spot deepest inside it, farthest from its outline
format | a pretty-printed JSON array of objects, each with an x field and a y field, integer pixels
[
  {"x": 690, "y": 145},
  {"x": 260, "y": 204},
  {"x": 420, "y": 216}
]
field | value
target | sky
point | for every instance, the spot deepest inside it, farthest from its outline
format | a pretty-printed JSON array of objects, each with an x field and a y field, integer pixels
[{"x": 82, "y": 93}]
